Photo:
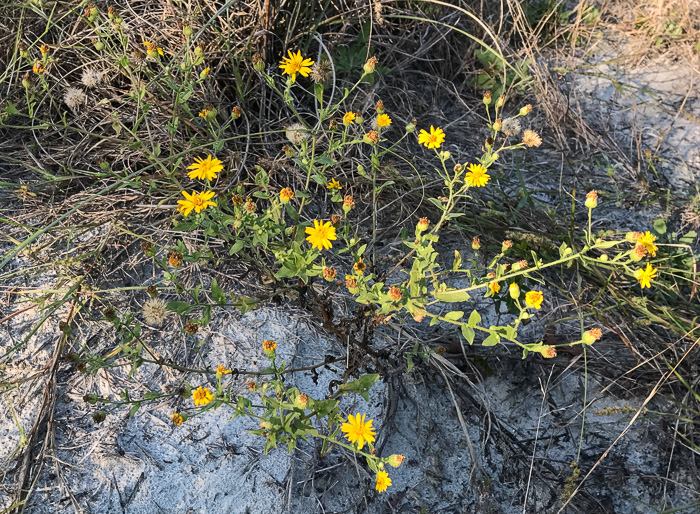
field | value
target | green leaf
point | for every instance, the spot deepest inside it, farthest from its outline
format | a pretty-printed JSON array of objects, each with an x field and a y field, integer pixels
[
  {"x": 362, "y": 385},
  {"x": 468, "y": 333},
  {"x": 134, "y": 408},
  {"x": 237, "y": 247},
  {"x": 474, "y": 319},
  {"x": 660, "y": 226},
  {"x": 217, "y": 292},
  {"x": 151, "y": 396},
  {"x": 491, "y": 340},
  {"x": 454, "y": 315},
  {"x": 181, "y": 308},
  {"x": 452, "y": 295}
]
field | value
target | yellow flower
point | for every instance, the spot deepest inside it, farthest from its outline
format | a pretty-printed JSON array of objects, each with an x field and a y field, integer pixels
[
  {"x": 645, "y": 276},
  {"x": 201, "y": 396},
  {"x": 220, "y": 370},
  {"x": 269, "y": 345},
  {"x": 321, "y": 235},
  {"x": 177, "y": 419},
  {"x": 533, "y": 299},
  {"x": 294, "y": 64},
  {"x": 433, "y": 139},
  {"x": 477, "y": 176},
  {"x": 359, "y": 267},
  {"x": 205, "y": 169},
  {"x": 334, "y": 184},
  {"x": 383, "y": 120},
  {"x": 357, "y": 431},
  {"x": 383, "y": 481},
  {"x": 195, "y": 201},
  {"x": 647, "y": 241},
  {"x": 349, "y": 118},
  {"x": 494, "y": 287},
  {"x": 152, "y": 47}
]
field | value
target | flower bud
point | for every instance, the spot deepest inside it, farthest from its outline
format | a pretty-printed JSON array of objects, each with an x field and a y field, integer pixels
[
  {"x": 258, "y": 63},
  {"x": 592, "y": 199},
  {"x": 99, "y": 416},
  {"x": 423, "y": 224},
  {"x": 506, "y": 245},
  {"x": 396, "y": 460},
  {"x": 591, "y": 336},
  {"x": 198, "y": 51},
  {"x": 525, "y": 110},
  {"x": 501, "y": 100},
  {"x": 99, "y": 46},
  {"x": 187, "y": 30},
  {"x": 487, "y": 97},
  {"x": 301, "y": 401},
  {"x": 411, "y": 127},
  {"x": 359, "y": 118},
  {"x": 514, "y": 291},
  {"x": 92, "y": 399},
  {"x": 370, "y": 65},
  {"x": 236, "y": 112},
  {"x": 476, "y": 243},
  {"x": 497, "y": 124},
  {"x": 204, "y": 73}
]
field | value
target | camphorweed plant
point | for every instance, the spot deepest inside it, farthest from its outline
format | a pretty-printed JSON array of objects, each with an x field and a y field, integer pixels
[{"x": 272, "y": 228}]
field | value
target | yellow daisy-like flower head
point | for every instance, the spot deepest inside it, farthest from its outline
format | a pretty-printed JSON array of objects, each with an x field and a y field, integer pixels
[
  {"x": 205, "y": 169},
  {"x": 647, "y": 241},
  {"x": 294, "y": 64},
  {"x": 321, "y": 235},
  {"x": 357, "y": 431},
  {"x": 177, "y": 419},
  {"x": 383, "y": 120},
  {"x": 645, "y": 276},
  {"x": 383, "y": 481},
  {"x": 432, "y": 139},
  {"x": 533, "y": 299},
  {"x": 334, "y": 184},
  {"x": 220, "y": 370},
  {"x": 152, "y": 48},
  {"x": 349, "y": 118},
  {"x": 477, "y": 176},
  {"x": 494, "y": 287},
  {"x": 195, "y": 201},
  {"x": 202, "y": 396}
]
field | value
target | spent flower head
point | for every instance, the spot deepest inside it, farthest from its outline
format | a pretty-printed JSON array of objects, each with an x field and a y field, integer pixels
[{"x": 154, "y": 311}]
